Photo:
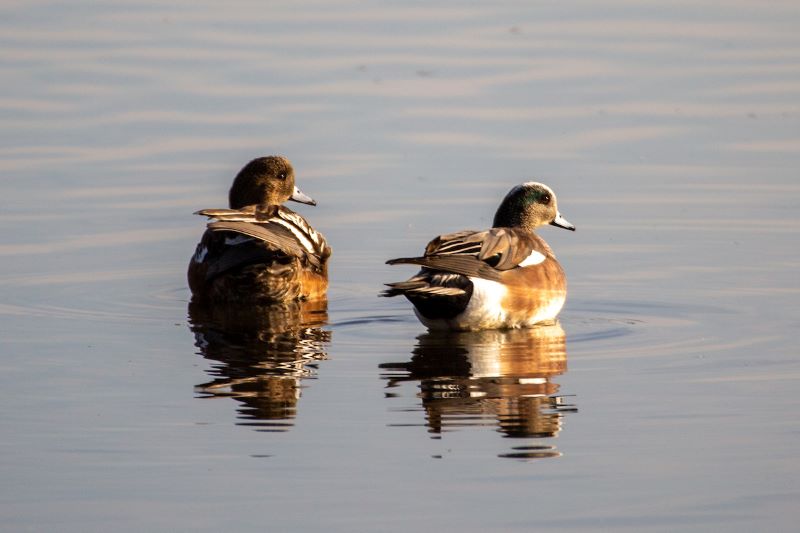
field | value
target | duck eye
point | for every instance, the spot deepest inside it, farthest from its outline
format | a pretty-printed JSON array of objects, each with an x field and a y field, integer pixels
[
  {"x": 282, "y": 175},
  {"x": 545, "y": 199}
]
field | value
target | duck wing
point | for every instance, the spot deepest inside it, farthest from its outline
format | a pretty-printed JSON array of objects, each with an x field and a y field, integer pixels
[
  {"x": 276, "y": 226},
  {"x": 483, "y": 254}
]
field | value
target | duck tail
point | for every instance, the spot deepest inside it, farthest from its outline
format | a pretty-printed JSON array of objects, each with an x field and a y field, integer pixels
[{"x": 401, "y": 287}]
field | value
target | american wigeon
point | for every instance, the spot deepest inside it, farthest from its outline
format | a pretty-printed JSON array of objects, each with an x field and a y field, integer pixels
[
  {"x": 503, "y": 277},
  {"x": 259, "y": 251}
]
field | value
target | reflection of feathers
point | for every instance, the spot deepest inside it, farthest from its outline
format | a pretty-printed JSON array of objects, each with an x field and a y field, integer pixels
[
  {"x": 502, "y": 377},
  {"x": 260, "y": 354}
]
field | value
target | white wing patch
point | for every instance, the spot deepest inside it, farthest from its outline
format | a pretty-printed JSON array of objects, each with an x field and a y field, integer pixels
[
  {"x": 534, "y": 259},
  {"x": 200, "y": 254}
]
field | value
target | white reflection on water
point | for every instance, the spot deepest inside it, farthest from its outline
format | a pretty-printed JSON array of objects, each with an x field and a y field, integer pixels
[
  {"x": 260, "y": 357},
  {"x": 500, "y": 379}
]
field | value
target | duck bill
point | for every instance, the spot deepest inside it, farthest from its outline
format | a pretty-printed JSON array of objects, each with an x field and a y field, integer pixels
[
  {"x": 303, "y": 198},
  {"x": 562, "y": 222}
]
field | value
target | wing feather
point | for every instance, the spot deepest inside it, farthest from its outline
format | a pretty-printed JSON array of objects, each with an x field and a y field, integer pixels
[
  {"x": 466, "y": 265},
  {"x": 277, "y": 226},
  {"x": 270, "y": 232},
  {"x": 484, "y": 254}
]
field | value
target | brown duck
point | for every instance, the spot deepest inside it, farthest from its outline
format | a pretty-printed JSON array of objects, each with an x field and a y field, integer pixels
[{"x": 259, "y": 251}]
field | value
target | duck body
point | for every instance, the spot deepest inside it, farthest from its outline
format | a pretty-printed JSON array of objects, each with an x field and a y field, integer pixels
[
  {"x": 503, "y": 277},
  {"x": 258, "y": 251}
]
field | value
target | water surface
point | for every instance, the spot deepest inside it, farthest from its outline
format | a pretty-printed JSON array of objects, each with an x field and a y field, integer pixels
[{"x": 664, "y": 399}]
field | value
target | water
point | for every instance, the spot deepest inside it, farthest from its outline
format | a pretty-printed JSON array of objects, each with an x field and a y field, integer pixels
[{"x": 665, "y": 399}]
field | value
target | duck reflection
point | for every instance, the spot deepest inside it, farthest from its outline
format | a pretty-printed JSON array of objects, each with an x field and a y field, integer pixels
[
  {"x": 260, "y": 355},
  {"x": 497, "y": 378}
]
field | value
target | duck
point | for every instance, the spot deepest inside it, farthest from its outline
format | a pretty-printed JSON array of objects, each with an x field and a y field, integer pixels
[
  {"x": 258, "y": 251},
  {"x": 504, "y": 277}
]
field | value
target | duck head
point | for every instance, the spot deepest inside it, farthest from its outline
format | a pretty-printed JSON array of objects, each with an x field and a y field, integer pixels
[
  {"x": 266, "y": 181},
  {"x": 529, "y": 206}
]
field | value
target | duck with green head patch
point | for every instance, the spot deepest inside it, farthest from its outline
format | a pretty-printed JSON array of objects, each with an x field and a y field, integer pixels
[{"x": 503, "y": 277}]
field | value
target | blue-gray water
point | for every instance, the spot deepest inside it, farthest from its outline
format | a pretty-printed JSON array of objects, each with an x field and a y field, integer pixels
[{"x": 665, "y": 400}]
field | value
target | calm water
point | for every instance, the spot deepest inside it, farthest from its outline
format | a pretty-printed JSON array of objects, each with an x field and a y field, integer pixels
[{"x": 666, "y": 398}]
